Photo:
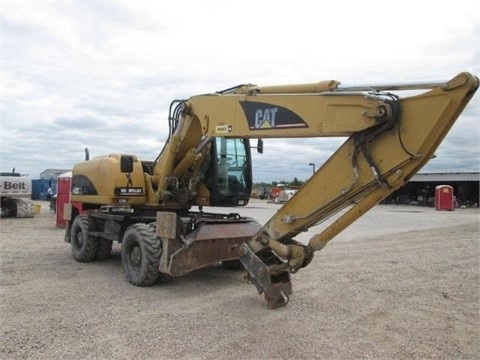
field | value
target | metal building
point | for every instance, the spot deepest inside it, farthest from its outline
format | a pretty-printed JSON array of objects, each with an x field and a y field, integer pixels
[
  {"x": 420, "y": 190},
  {"x": 52, "y": 174}
]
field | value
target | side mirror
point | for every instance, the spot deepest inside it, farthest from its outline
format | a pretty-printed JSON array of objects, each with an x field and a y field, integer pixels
[
  {"x": 260, "y": 146},
  {"x": 126, "y": 164}
]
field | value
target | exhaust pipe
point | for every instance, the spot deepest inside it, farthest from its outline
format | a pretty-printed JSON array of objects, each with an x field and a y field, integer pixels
[{"x": 87, "y": 154}]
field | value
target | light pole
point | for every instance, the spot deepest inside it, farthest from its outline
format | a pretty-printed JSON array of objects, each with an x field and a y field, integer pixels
[{"x": 313, "y": 167}]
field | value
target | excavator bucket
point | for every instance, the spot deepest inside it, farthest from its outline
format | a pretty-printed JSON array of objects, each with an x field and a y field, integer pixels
[{"x": 276, "y": 289}]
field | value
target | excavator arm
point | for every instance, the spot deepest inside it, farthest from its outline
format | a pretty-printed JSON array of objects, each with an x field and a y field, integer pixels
[{"x": 389, "y": 139}]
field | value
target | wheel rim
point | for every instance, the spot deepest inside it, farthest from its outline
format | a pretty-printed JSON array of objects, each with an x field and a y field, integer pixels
[
  {"x": 136, "y": 256},
  {"x": 79, "y": 239}
]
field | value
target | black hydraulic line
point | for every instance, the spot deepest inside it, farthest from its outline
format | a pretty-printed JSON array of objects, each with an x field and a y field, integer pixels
[
  {"x": 363, "y": 139},
  {"x": 173, "y": 120},
  {"x": 231, "y": 89}
]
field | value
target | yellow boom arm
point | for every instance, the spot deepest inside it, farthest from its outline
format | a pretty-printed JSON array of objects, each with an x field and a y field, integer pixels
[{"x": 389, "y": 140}]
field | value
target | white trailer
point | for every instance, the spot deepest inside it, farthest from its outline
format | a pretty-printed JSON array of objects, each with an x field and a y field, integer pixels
[{"x": 16, "y": 193}]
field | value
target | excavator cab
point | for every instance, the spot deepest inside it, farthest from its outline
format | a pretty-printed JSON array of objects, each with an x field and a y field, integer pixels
[{"x": 227, "y": 172}]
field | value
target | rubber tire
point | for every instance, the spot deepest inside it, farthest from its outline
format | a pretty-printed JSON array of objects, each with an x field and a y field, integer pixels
[
  {"x": 141, "y": 250},
  {"x": 104, "y": 249},
  {"x": 163, "y": 278},
  {"x": 9, "y": 208},
  {"x": 84, "y": 248}
]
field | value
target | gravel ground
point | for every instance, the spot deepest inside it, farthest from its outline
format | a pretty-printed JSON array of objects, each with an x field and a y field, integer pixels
[{"x": 400, "y": 283}]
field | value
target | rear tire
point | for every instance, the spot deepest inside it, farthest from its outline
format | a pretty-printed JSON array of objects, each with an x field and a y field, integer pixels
[
  {"x": 84, "y": 247},
  {"x": 141, "y": 250}
]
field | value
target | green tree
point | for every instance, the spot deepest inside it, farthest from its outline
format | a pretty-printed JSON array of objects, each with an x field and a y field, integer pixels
[{"x": 296, "y": 182}]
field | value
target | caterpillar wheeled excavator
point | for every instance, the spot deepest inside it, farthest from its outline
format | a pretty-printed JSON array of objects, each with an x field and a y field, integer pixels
[{"x": 148, "y": 206}]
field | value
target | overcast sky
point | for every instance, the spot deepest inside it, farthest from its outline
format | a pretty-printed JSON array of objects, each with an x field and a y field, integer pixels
[{"x": 101, "y": 74}]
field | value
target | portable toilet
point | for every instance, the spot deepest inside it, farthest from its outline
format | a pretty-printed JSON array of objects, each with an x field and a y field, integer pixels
[
  {"x": 64, "y": 184},
  {"x": 444, "y": 199}
]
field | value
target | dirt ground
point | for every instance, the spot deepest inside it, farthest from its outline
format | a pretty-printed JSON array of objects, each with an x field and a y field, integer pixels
[{"x": 401, "y": 283}]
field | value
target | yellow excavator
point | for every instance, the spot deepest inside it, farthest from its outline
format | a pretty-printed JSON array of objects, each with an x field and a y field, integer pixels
[{"x": 148, "y": 206}]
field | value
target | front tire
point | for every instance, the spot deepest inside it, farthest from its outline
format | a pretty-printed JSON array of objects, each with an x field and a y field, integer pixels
[
  {"x": 141, "y": 250},
  {"x": 84, "y": 247}
]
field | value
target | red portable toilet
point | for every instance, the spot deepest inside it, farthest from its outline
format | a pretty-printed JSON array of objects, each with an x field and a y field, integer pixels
[
  {"x": 63, "y": 196},
  {"x": 444, "y": 198}
]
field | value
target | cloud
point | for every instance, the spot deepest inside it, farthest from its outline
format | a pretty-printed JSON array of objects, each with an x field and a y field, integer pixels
[
  {"x": 101, "y": 74},
  {"x": 85, "y": 123}
]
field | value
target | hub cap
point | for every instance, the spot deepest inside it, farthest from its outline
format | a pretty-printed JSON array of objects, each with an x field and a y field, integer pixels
[{"x": 136, "y": 256}]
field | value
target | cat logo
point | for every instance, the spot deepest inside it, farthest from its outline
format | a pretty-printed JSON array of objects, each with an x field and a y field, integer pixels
[{"x": 263, "y": 116}]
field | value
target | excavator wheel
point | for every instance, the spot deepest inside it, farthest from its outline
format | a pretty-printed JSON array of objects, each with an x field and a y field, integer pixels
[
  {"x": 84, "y": 247},
  {"x": 141, "y": 250}
]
